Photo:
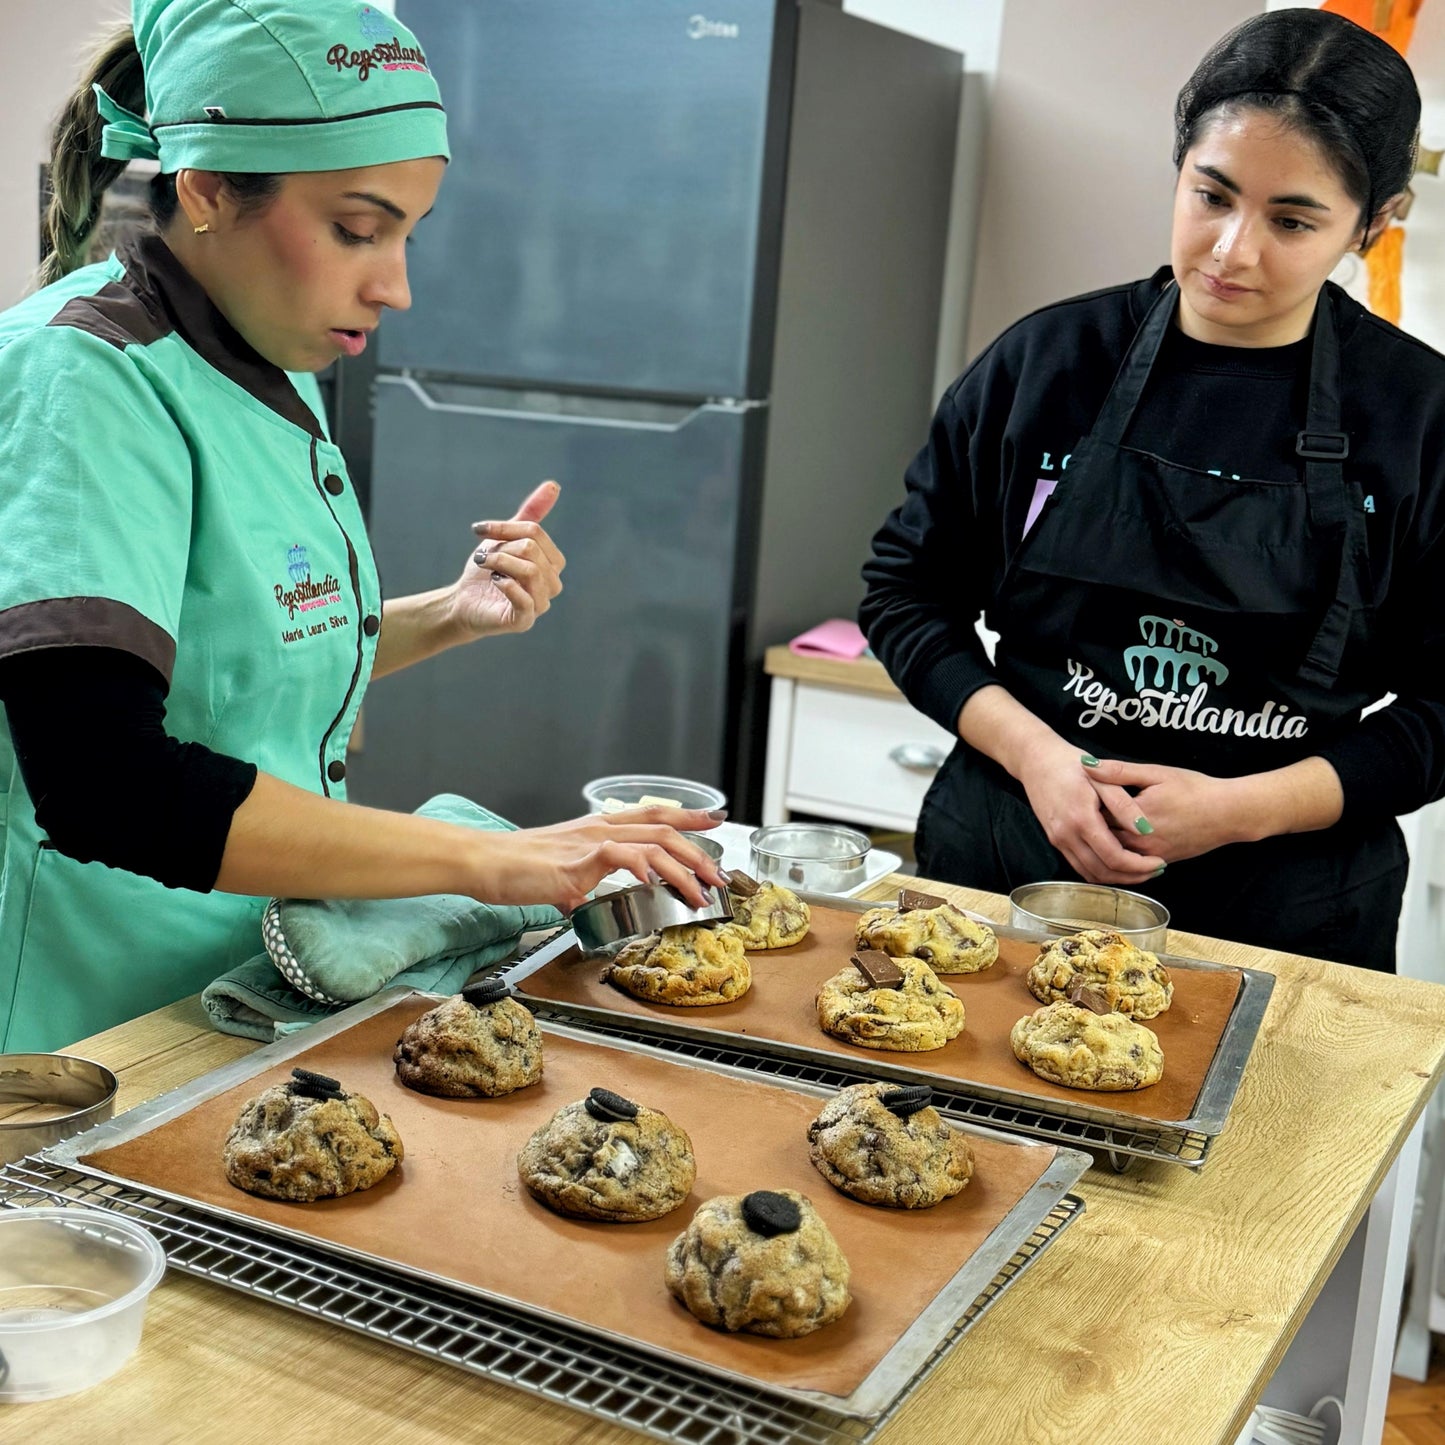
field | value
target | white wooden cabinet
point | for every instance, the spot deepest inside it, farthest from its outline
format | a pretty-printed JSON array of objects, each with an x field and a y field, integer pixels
[{"x": 844, "y": 744}]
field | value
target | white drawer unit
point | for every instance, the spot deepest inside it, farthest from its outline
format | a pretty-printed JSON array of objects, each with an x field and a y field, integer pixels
[{"x": 854, "y": 756}]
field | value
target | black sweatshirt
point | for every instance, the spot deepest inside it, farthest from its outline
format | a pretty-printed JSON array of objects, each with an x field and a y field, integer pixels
[{"x": 1013, "y": 418}]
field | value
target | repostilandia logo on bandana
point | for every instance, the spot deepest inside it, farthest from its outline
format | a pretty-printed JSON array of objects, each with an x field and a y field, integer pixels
[{"x": 388, "y": 53}]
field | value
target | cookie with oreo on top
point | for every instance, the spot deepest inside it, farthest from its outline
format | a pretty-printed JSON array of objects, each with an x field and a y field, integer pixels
[
  {"x": 608, "y": 1157},
  {"x": 481, "y": 1043}
]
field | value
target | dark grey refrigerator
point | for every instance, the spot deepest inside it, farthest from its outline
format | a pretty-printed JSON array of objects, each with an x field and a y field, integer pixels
[{"x": 689, "y": 266}]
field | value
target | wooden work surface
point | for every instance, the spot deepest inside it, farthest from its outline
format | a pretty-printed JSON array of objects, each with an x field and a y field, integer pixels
[
  {"x": 1158, "y": 1316},
  {"x": 862, "y": 674}
]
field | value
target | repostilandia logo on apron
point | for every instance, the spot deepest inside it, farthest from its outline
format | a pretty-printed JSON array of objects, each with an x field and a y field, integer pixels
[{"x": 1172, "y": 672}]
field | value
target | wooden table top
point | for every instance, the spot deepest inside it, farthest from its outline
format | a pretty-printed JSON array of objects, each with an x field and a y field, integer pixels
[{"x": 1159, "y": 1315}]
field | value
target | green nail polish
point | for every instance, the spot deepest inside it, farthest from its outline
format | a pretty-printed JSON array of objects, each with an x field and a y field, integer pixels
[
  {"x": 1160, "y": 869},
  {"x": 1089, "y": 760},
  {"x": 1143, "y": 825}
]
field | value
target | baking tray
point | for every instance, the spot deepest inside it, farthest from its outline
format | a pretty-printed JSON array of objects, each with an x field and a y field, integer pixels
[
  {"x": 1207, "y": 1036},
  {"x": 170, "y": 1149}
]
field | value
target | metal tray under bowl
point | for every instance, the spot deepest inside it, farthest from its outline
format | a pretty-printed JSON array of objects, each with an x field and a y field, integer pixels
[
  {"x": 1088, "y": 1123},
  {"x": 458, "y": 1323}
]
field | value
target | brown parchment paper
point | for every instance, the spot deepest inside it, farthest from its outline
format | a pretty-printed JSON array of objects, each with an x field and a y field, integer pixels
[
  {"x": 780, "y": 1007},
  {"x": 456, "y": 1209}
]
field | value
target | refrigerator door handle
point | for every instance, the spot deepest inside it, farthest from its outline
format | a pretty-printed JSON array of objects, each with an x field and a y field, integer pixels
[{"x": 726, "y": 405}]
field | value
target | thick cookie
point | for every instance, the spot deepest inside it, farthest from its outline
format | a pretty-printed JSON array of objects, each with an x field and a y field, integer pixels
[
  {"x": 903, "y": 1157},
  {"x": 945, "y": 938},
  {"x": 687, "y": 967},
  {"x": 922, "y": 1014},
  {"x": 1133, "y": 980},
  {"x": 462, "y": 1051},
  {"x": 595, "y": 1160},
  {"x": 762, "y": 1262},
  {"x": 773, "y": 917},
  {"x": 1074, "y": 1046},
  {"x": 302, "y": 1146}
]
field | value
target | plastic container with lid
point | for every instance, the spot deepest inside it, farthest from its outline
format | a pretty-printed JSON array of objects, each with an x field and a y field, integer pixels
[
  {"x": 637, "y": 790},
  {"x": 73, "y": 1290}
]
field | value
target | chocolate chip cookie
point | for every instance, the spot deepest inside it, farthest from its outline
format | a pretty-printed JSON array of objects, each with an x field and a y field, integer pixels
[
  {"x": 944, "y": 937},
  {"x": 309, "y": 1139},
  {"x": 762, "y": 1262},
  {"x": 606, "y": 1157},
  {"x": 920, "y": 1014},
  {"x": 772, "y": 917},
  {"x": 886, "y": 1144},
  {"x": 1074, "y": 1046},
  {"x": 1132, "y": 979},
  {"x": 689, "y": 966},
  {"x": 480, "y": 1044}
]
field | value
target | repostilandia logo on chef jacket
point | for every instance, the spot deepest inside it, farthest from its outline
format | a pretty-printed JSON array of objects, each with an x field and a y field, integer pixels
[
  {"x": 304, "y": 595},
  {"x": 1172, "y": 672}
]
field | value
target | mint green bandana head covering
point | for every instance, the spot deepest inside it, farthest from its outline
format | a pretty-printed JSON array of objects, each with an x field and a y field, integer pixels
[{"x": 276, "y": 86}]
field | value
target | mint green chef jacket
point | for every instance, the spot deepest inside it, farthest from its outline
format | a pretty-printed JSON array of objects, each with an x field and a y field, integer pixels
[{"x": 167, "y": 491}]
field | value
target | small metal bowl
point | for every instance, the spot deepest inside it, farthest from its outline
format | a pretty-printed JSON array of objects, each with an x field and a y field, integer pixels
[
  {"x": 45, "y": 1098},
  {"x": 710, "y": 846},
  {"x": 605, "y": 924},
  {"x": 818, "y": 857},
  {"x": 1064, "y": 908}
]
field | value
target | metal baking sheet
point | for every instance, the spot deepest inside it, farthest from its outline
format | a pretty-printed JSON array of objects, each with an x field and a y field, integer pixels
[
  {"x": 1040, "y": 1106},
  {"x": 1058, "y": 1170}
]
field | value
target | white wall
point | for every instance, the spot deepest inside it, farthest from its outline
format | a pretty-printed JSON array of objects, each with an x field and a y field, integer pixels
[{"x": 49, "y": 41}]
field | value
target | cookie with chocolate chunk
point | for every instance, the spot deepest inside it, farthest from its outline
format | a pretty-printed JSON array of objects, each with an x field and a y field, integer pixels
[
  {"x": 921, "y": 1013},
  {"x": 1071, "y": 1044},
  {"x": 689, "y": 966},
  {"x": 767, "y": 915},
  {"x": 942, "y": 936},
  {"x": 1132, "y": 979},
  {"x": 481, "y": 1043},
  {"x": 886, "y": 1144},
  {"x": 309, "y": 1139},
  {"x": 764, "y": 1263},
  {"x": 606, "y": 1157}
]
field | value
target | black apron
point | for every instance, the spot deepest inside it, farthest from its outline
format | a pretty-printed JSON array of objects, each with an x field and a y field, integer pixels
[{"x": 1158, "y": 613}]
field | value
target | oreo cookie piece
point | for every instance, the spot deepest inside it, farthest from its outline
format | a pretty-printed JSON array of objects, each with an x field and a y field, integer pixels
[
  {"x": 908, "y": 1099},
  {"x": 305, "y": 1089},
  {"x": 320, "y": 1081},
  {"x": 768, "y": 1213},
  {"x": 611, "y": 1108},
  {"x": 486, "y": 991}
]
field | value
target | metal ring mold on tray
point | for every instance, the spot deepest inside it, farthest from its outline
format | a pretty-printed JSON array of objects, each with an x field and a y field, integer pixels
[
  {"x": 820, "y": 857},
  {"x": 45, "y": 1098},
  {"x": 606, "y": 923}
]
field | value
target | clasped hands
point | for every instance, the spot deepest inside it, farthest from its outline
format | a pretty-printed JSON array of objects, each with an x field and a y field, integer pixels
[{"x": 1123, "y": 823}]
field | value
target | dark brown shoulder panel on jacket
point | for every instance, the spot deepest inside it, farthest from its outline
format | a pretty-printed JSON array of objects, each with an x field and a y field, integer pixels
[{"x": 115, "y": 314}]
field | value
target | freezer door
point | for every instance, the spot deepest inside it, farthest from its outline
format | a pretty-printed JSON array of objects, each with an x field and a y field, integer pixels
[
  {"x": 598, "y": 224},
  {"x": 629, "y": 668}
]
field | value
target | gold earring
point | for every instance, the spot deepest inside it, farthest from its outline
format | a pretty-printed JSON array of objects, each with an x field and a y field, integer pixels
[{"x": 201, "y": 230}]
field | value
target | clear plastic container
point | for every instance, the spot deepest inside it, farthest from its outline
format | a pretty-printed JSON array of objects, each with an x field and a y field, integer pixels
[
  {"x": 73, "y": 1290},
  {"x": 627, "y": 790}
]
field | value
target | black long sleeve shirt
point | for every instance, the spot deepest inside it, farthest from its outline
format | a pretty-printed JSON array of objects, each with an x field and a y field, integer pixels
[{"x": 109, "y": 785}]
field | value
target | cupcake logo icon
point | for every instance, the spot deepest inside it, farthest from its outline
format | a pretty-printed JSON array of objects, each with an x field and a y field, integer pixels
[
  {"x": 1180, "y": 656},
  {"x": 297, "y": 567},
  {"x": 374, "y": 25}
]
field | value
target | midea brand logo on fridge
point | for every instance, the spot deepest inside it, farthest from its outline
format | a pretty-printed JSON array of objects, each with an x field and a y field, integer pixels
[{"x": 699, "y": 27}]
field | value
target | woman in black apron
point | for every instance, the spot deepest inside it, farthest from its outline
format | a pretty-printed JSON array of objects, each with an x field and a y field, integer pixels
[{"x": 1203, "y": 512}]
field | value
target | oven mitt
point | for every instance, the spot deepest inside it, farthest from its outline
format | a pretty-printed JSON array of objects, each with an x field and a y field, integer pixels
[{"x": 322, "y": 955}]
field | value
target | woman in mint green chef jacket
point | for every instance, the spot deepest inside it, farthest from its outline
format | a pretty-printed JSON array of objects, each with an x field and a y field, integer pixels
[{"x": 189, "y": 612}]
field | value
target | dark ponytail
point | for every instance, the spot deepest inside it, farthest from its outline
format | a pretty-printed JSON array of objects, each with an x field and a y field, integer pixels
[
  {"x": 1325, "y": 77},
  {"x": 79, "y": 174}
]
